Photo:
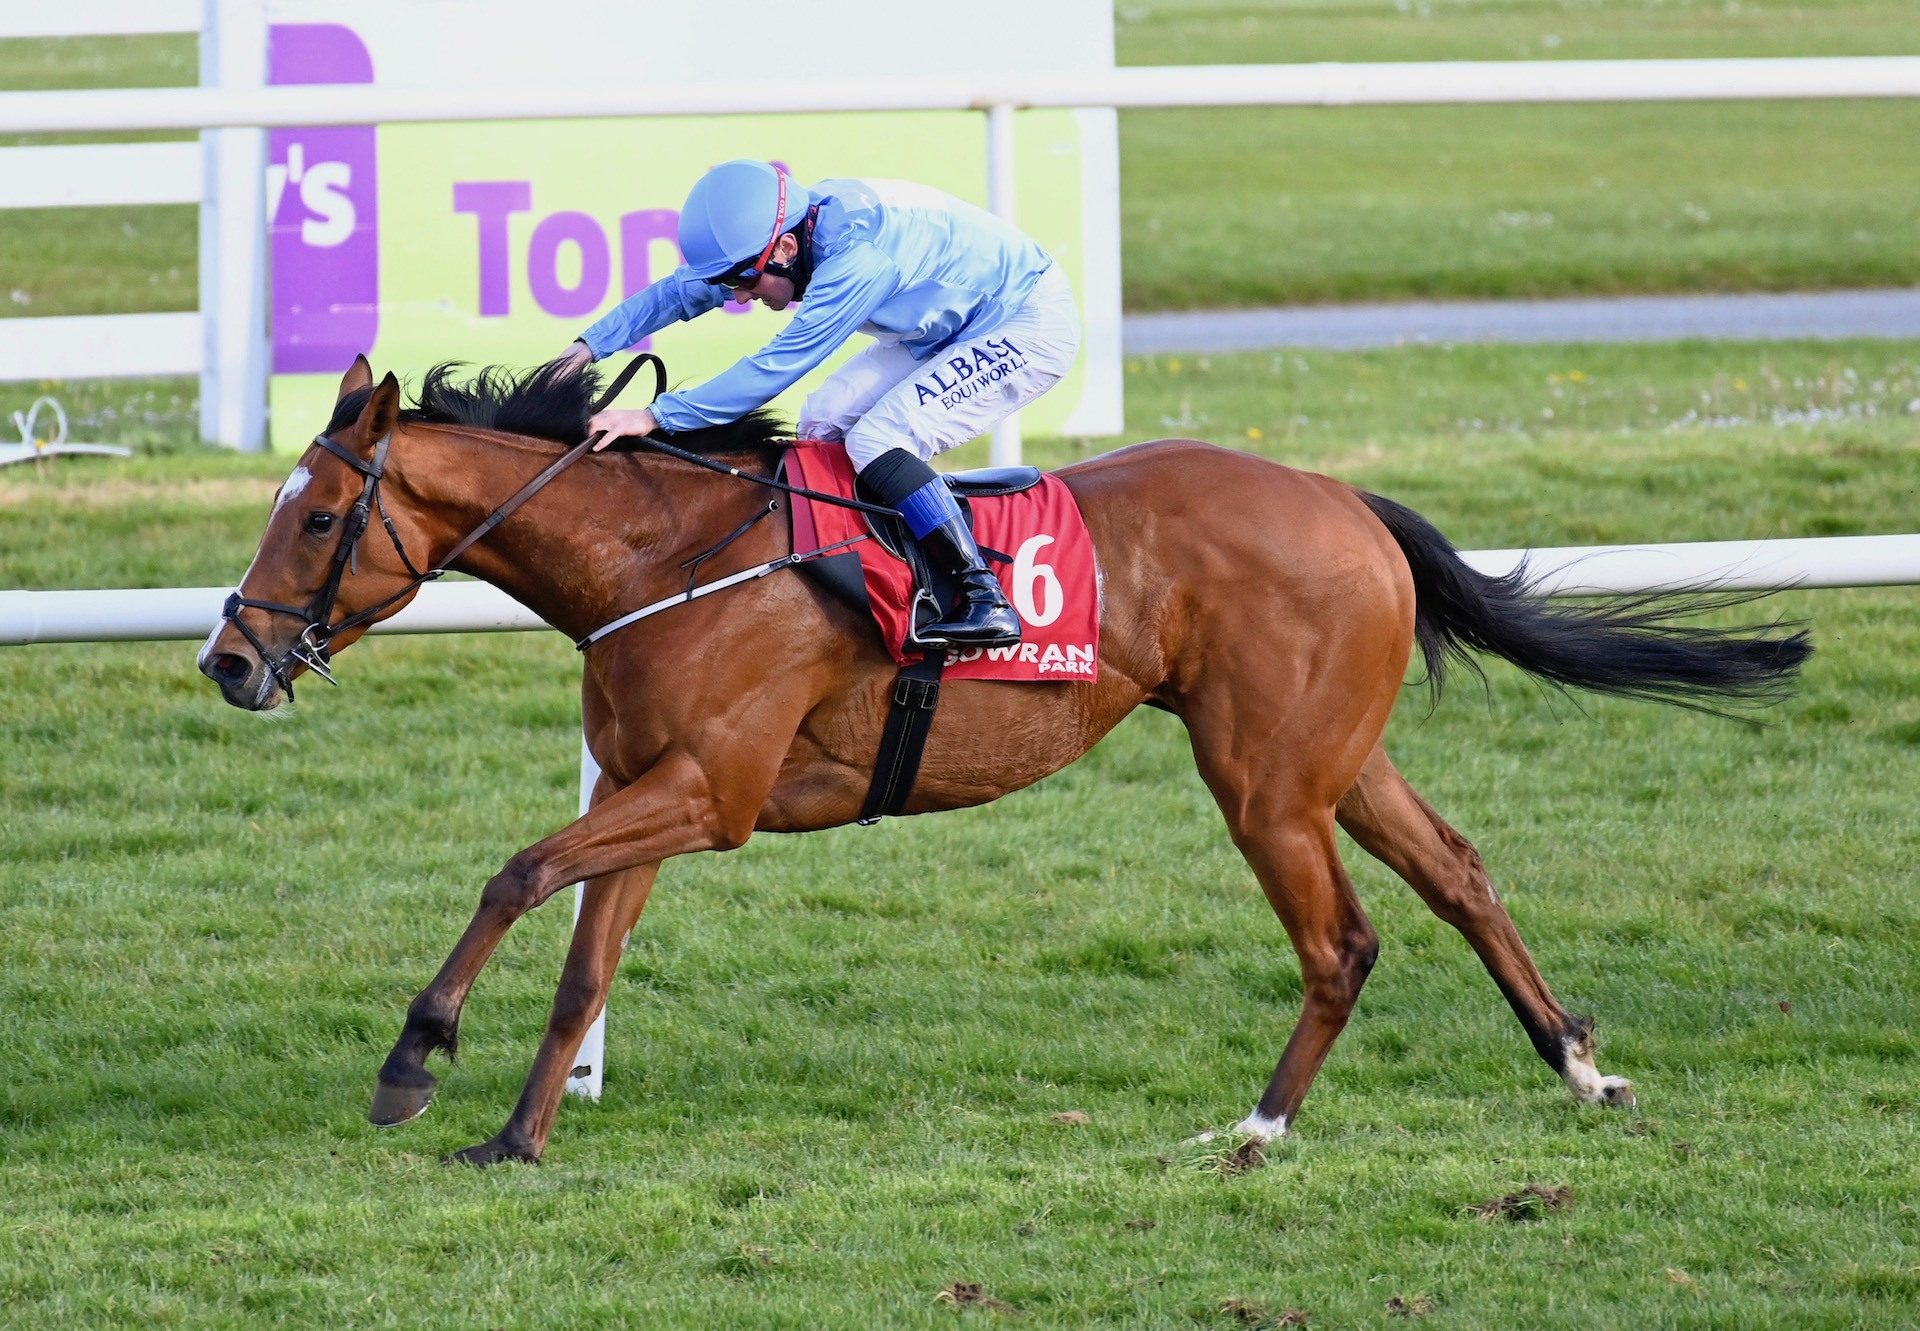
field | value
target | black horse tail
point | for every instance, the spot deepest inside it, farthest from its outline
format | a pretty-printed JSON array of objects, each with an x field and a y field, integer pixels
[{"x": 1626, "y": 644}]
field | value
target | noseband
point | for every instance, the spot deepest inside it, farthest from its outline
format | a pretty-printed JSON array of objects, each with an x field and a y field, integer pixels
[{"x": 311, "y": 649}]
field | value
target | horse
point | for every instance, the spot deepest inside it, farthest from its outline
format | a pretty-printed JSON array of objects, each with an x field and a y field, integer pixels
[{"x": 1274, "y": 611}]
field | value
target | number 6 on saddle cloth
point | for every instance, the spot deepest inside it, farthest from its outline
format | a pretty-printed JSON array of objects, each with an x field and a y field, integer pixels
[{"x": 1028, "y": 527}]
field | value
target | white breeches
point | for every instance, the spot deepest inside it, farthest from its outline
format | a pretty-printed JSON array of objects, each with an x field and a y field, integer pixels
[{"x": 883, "y": 398}]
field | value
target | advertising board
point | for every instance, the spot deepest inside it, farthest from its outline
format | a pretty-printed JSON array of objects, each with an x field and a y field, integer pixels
[{"x": 498, "y": 242}]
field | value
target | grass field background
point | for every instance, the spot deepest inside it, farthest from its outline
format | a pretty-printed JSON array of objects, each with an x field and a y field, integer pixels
[{"x": 835, "y": 1059}]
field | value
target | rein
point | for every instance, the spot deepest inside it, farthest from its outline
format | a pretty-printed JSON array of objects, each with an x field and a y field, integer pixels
[
  {"x": 311, "y": 648},
  {"x": 840, "y": 501},
  {"x": 694, "y": 593}
]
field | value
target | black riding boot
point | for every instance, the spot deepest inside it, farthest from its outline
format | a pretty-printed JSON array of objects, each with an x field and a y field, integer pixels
[{"x": 980, "y": 616}]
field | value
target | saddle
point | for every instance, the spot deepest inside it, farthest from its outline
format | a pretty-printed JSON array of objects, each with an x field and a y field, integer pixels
[{"x": 842, "y": 574}]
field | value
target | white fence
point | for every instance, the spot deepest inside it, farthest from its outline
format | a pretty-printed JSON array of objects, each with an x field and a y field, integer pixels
[
  {"x": 225, "y": 342},
  {"x": 187, "y": 613},
  {"x": 1456, "y": 82}
]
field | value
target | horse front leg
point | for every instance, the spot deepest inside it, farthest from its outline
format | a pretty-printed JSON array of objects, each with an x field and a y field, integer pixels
[
  {"x": 671, "y": 810},
  {"x": 608, "y": 913}
]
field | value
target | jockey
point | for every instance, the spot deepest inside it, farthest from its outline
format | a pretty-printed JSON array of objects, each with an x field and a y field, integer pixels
[{"x": 971, "y": 320}]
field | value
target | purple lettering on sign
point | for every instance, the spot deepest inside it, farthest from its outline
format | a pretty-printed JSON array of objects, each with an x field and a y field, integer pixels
[
  {"x": 492, "y": 202},
  {"x": 322, "y": 211},
  {"x": 638, "y": 231},
  {"x": 543, "y": 265}
]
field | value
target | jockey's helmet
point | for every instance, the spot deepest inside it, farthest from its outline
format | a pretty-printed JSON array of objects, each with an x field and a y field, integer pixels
[{"x": 733, "y": 215}]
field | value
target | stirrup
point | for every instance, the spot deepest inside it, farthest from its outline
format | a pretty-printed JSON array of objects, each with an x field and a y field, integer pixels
[
  {"x": 919, "y": 644},
  {"x": 923, "y": 597}
]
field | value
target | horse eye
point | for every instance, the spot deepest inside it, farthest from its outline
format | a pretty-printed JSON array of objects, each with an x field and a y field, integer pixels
[{"x": 319, "y": 524}]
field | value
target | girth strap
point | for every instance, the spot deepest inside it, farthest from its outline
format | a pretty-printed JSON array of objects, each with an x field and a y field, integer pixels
[{"x": 916, "y": 694}]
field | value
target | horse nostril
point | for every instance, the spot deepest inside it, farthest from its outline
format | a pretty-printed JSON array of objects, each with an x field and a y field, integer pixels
[{"x": 226, "y": 668}]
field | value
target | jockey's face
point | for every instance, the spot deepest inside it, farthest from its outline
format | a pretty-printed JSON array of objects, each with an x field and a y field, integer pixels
[{"x": 776, "y": 293}]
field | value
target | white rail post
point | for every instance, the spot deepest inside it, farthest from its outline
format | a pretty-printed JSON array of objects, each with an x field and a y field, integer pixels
[
  {"x": 233, "y": 226},
  {"x": 589, "y": 1065},
  {"x": 1000, "y": 162}
]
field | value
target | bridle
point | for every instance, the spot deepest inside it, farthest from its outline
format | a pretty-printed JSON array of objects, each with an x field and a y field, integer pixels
[{"x": 312, "y": 648}]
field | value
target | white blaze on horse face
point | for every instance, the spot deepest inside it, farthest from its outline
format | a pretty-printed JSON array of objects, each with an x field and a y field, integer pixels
[
  {"x": 294, "y": 486},
  {"x": 206, "y": 649},
  {"x": 291, "y": 490}
]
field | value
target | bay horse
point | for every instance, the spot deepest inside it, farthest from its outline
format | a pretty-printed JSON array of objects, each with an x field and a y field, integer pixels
[{"x": 1272, "y": 610}]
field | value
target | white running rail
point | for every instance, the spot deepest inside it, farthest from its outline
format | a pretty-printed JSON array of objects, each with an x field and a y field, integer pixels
[{"x": 187, "y": 613}]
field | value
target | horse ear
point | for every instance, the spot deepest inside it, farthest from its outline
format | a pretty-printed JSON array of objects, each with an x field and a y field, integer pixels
[
  {"x": 358, "y": 375},
  {"x": 382, "y": 410}
]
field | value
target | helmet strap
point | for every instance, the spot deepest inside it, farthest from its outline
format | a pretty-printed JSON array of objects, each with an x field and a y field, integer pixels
[{"x": 800, "y": 271}]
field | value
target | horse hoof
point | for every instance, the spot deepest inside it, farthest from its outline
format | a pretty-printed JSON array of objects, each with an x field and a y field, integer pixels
[
  {"x": 493, "y": 1151},
  {"x": 397, "y": 1102}
]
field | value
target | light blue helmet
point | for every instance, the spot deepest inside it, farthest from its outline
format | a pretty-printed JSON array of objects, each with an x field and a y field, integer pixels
[{"x": 733, "y": 213}]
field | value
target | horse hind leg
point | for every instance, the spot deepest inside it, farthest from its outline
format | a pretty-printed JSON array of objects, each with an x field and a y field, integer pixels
[
  {"x": 1288, "y": 839},
  {"x": 1392, "y": 823},
  {"x": 1297, "y": 862}
]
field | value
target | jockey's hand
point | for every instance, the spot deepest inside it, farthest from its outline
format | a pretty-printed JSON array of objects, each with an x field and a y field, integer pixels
[
  {"x": 577, "y": 356},
  {"x": 620, "y": 424}
]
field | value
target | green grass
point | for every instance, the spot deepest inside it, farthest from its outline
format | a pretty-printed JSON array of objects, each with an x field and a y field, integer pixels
[
  {"x": 121, "y": 260},
  {"x": 1256, "y": 206},
  {"x": 1218, "y": 32},
  {"x": 38, "y": 64},
  {"x": 834, "y": 1059},
  {"x": 1259, "y": 207}
]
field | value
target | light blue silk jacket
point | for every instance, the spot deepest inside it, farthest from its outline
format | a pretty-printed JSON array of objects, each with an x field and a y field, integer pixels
[{"x": 891, "y": 259}]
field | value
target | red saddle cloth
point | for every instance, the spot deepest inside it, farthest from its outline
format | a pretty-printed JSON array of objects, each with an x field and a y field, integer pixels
[{"x": 1048, "y": 573}]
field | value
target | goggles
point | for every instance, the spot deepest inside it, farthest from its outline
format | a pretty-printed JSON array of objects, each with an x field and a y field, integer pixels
[{"x": 746, "y": 274}]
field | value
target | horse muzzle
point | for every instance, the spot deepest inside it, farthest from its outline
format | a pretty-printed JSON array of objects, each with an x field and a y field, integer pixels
[
  {"x": 250, "y": 675},
  {"x": 244, "y": 681}
]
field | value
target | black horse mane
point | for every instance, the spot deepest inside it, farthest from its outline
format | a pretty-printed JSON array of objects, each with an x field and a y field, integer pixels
[{"x": 552, "y": 401}]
